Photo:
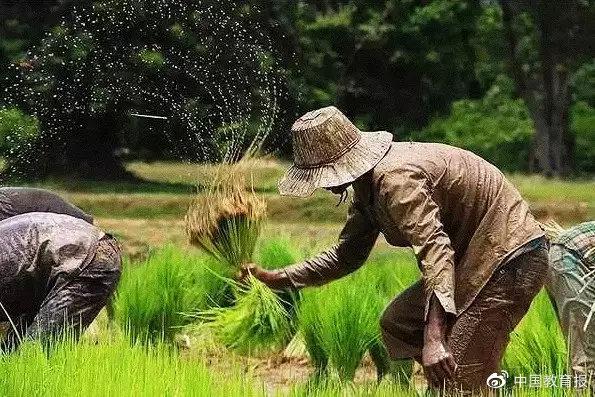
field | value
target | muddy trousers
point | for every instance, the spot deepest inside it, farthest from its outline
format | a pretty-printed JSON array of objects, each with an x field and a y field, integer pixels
[
  {"x": 71, "y": 306},
  {"x": 478, "y": 337}
]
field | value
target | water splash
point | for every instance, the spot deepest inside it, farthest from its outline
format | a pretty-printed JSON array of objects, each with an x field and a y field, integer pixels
[{"x": 207, "y": 67}]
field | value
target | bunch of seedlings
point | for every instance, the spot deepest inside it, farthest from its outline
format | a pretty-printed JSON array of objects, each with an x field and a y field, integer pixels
[{"x": 226, "y": 222}]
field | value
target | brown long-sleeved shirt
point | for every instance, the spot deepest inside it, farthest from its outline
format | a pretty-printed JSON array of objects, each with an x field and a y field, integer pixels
[{"x": 457, "y": 211}]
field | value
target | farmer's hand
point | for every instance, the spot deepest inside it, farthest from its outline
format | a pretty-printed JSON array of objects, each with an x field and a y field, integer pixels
[
  {"x": 270, "y": 278},
  {"x": 439, "y": 364}
]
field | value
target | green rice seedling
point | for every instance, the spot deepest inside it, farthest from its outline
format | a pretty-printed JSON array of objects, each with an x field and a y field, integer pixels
[
  {"x": 274, "y": 253},
  {"x": 310, "y": 320},
  {"x": 537, "y": 345},
  {"x": 390, "y": 271},
  {"x": 152, "y": 296},
  {"x": 226, "y": 223},
  {"x": 329, "y": 387},
  {"x": 341, "y": 326},
  {"x": 114, "y": 368},
  {"x": 339, "y": 322},
  {"x": 255, "y": 323}
]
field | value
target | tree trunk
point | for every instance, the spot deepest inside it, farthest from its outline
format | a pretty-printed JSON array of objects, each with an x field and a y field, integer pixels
[{"x": 547, "y": 92}]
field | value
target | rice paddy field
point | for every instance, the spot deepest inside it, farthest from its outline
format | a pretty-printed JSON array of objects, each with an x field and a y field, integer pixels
[{"x": 178, "y": 326}]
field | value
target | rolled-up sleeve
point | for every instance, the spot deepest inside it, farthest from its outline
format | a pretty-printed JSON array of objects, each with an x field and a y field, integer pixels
[
  {"x": 355, "y": 243},
  {"x": 417, "y": 216}
]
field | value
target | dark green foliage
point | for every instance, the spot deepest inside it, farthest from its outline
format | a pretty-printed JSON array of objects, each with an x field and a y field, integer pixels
[
  {"x": 496, "y": 127},
  {"x": 206, "y": 66},
  {"x": 500, "y": 129},
  {"x": 583, "y": 126},
  {"x": 400, "y": 66},
  {"x": 16, "y": 130}
]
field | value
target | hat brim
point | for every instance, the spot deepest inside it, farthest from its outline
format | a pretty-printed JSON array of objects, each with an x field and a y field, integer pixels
[{"x": 361, "y": 158}]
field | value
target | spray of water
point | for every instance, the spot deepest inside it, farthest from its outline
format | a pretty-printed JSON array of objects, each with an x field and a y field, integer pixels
[{"x": 206, "y": 69}]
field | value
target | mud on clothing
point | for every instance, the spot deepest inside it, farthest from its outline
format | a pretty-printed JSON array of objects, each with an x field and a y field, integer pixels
[
  {"x": 571, "y": 285},
  {"x": 20, "y": 200},
  {"x": 55, "y": 271},
  {"x": 478, "y": 337},
  {"x": 458, "y": 212}
]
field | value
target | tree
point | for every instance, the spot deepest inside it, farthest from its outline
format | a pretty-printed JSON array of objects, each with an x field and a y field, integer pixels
[
  {"x": 390, "y": 64},
  {"x": 544, "y": 46},
  {"x": 203, "y": 65}
]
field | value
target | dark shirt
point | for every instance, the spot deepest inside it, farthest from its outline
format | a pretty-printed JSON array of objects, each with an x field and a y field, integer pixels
[
  {"x": 40, "y": 251},
  {"x": 20, "y": 200}
]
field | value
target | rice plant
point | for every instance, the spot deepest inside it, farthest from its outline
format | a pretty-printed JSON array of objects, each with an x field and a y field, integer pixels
[
  {"x": 114, "y": 368},
  {"x": 274, "y": 253},
  {"x": 226, "y": 221},
  {"x": 152, "y": 296},
  {"x": 537, "y": 345},
  {"x": 339, "y": 323},
  {"x": 257, "y": 321}
]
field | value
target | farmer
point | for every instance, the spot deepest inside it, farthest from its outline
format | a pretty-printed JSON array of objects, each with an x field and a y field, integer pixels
[
  {"x": 20, "y": 200},
  {"x": 571, "y": 286},
  {"x": 482, "y": 254},
  {"x": 56, "y": 273}
]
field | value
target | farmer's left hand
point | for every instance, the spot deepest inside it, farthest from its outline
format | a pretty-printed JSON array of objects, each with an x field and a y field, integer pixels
[{"x": 439, "y": 364}]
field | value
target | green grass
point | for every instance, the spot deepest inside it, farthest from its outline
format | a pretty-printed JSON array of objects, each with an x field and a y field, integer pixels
[{"x": 166, "y": 189}]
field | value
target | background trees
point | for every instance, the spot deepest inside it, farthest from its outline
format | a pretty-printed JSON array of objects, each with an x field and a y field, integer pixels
[{"x": 512, "y": 81}]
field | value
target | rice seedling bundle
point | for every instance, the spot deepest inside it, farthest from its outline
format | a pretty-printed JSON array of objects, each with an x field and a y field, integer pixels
[
  {"x": 257, "y": 322},
  {"x": 340, "y": 323},
  {"x": 226, "y": 223}
]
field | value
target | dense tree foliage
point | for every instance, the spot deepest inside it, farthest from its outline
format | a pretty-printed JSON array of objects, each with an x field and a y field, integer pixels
[{"x": 432, "y": 70}]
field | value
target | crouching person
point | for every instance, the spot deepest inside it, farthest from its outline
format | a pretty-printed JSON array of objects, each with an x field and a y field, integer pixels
[
  {"x": 482, "y": 254},
  {"x": 56, "y": 273},
  {"x": 571, "y": 287}
]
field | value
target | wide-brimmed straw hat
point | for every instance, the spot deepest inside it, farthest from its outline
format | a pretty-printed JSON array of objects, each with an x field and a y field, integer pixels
[{"x": 328, "y": 150}]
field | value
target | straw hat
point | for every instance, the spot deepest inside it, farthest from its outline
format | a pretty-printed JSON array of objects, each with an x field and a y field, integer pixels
[{"x": 328, "y": 150}]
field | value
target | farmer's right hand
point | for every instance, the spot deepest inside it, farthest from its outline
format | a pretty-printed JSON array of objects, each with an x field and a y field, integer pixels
[{"x": 270, "y": 278}]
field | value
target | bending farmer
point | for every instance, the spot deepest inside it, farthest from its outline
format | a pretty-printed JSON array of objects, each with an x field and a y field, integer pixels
[
  {"x": 20, "y": 200},
  {"x": 482, "y": 254},
  {"x": 56, "y": 273},
  {"x": 571, "y": 286}
]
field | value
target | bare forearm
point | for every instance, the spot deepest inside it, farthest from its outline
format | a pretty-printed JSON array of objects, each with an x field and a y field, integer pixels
[{"x": 435, "y": 329}]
